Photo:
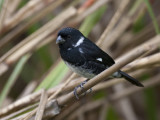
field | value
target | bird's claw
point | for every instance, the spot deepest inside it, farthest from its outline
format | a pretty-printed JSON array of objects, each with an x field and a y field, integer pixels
[{"x": 82, "y": 88}]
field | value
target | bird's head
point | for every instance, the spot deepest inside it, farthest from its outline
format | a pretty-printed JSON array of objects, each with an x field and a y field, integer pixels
[{"x": 69, "y": 38}]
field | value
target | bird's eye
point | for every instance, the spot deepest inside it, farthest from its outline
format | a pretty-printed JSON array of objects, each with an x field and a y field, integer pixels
[{"x": 68, "y": 36}]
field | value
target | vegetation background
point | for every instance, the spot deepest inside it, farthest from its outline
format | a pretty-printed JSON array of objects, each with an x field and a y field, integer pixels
[{"x": 36, "y": 84}]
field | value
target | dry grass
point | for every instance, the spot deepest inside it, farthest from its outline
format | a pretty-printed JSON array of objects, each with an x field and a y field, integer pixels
[{"x": 30, "y": 65}]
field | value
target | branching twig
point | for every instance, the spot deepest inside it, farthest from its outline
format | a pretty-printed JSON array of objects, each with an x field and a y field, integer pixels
[
  {"x": 63, "y": 100},
  {"x": 113, "y": 21},
  {"x": 129, "y": 91},
  {"x": 29, "y": 9},
  {"x": 34, "y": 97},
  {"x": 62, "y": 87},
  {"x": 19, "y": 29},
  {"x": 123, "y": 61},
  {"x": 143, "y": 62},
  {"x": 53, "y": 95},
  {"x": 90, "y": 10},
  {"x": 30, "y": 42},
  {"x": 88, "y": 107}
]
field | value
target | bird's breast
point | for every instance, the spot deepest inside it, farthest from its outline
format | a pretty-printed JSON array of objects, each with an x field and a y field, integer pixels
[{"x": 87, "y": 73}]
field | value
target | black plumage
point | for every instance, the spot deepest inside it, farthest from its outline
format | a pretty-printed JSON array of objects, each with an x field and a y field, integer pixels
[{"x": 84, "y": 57}]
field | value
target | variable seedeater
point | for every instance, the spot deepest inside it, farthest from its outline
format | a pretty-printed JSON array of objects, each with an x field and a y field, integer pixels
[{"x": 84, "y": 57}]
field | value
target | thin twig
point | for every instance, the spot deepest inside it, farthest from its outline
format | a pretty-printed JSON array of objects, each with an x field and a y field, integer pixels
[
  {"x": 19, "y": 29},
  {"x": 19, "y": 112},
  {"x": 41, "y": 106},
  {"x": 154, "y": 42},
  {"x": 29, "y": 9},
  {"x": 143, "y": 62},
  {"x": 125, "y": 104},
  {"x": 30, "y": 42},
  {"x": 113, "y": 21},
  {"x": 62, "y": 87},
  {"x": 126, "y": 92},
  {"x": 87, "y": 12},
  {"x": 12, "y": 7},
  {"x": 88, "y": 107},
  {"x": 53, "y": 95},
  {"x": 34, "y": 97},
  {"x": 68, "y": 111},
  {"x": 103, "y": 111},
  {"x": 129, "y": 91},
  {"x": 3, "y": 14},
  {"x": 123, "y": 61}
]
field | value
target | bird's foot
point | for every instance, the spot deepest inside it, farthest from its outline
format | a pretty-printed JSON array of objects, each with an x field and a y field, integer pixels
[{"x": 82, "y": 88}]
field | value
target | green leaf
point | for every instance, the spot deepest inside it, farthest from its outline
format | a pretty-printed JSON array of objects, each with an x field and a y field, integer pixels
[
  {"x": 91, "y": 21},
  {"x": 151, "y": 103},
  {"x": 53, "y": 77},
  {"x": 13, "y": 77},
  {"x": 111, "y": 114},
  {"x": 99, "y": 95},
  {"x": 56, "y": 74},
  {"x": 151, "y": 13},
  {"x": 1, "y": 3}
]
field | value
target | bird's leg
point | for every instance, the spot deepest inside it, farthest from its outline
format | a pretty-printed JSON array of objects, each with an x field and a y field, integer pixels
[{"x": 81, "y": 86}]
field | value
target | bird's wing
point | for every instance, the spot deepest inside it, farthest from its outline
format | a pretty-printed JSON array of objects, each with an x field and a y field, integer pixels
[{"x": 93, "y": 53}]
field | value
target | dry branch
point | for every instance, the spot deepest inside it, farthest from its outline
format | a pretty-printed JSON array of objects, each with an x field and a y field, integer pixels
[
  {"x": 125, "y": 104},
  {"x": 123, "y": 61},
  {"x": 29, "y": 9},
  {"x": 68, "y": 111},
  {"x": 34, "y": 97},
  {"x": 113, "y": 21},
  {"x": 112, "y": 82},
  {"x": 129, "y": 91},
  {"x": 19, "y": 112},
  {"x": 41, "y": 106},
  {"x": 86, "y": 5},
  {"x": 51, "y": 109},
  {"x": 134, "y": 40},
  {"x": 3, "y": 13},
  {"x": 87, "y": 107},
  {"x": 39, "y": 35},
  {"x": 59, "y": 93},
  {"x": 19, "y": 29},
  {"x": 116, "y": 33},
  {"x": 12, "y": 7},
  {"x": 122, "y": 94},
  {"x": 81, "y": 15},
  {"x": 153, "y": 43},
  {"x": 143, "y": 62},
  {"x": 30, "y": 42},
  {"x": 54, "y": 94}
]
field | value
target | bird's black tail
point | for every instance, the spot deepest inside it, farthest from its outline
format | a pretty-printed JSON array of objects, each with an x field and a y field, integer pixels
[{"x": 131, "y": 79}]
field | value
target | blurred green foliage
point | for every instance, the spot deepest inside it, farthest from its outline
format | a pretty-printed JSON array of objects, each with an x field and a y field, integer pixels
[
  {"x": 139, "y": 24},
  {"x": 58, "y": 73},
  {"x": 151, "y": 13},
  {"x": 43, "y": 59},
  {"x": 111, "y": 114}
]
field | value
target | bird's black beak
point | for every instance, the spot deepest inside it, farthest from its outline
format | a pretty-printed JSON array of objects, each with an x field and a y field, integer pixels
[{"x": 60, "y": 40}]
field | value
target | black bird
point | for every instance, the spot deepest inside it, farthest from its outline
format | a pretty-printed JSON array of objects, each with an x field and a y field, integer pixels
[{"x": 84, "y": 57}]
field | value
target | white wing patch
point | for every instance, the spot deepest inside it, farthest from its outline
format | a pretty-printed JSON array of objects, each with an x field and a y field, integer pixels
[
  {"x": 69, "y": 48},
  {"x": 80, "y": 50},
  {"x": 80, "y": 41},
  {"x": 99, "y": 59}
]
